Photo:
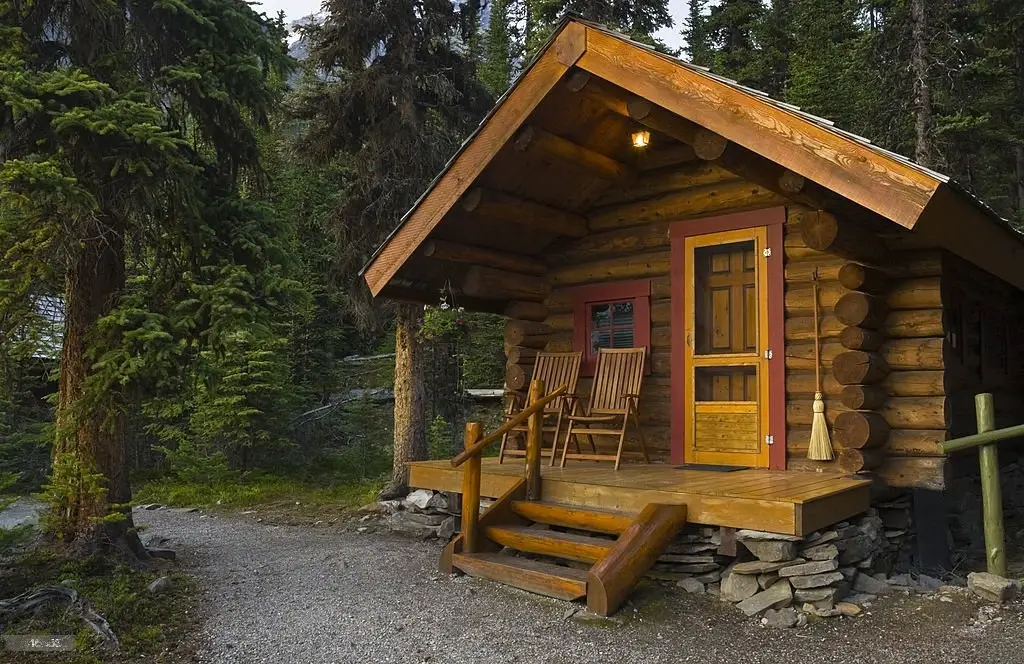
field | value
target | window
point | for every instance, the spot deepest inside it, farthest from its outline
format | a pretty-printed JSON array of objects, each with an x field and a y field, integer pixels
[{"x": 611, "y": 316}]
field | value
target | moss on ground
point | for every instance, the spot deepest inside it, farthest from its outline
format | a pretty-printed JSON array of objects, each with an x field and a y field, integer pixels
[{"x": 150, "y": 627}]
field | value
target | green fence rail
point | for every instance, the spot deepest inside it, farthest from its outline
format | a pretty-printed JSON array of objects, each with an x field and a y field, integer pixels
[{"x": 991, "y": 493}]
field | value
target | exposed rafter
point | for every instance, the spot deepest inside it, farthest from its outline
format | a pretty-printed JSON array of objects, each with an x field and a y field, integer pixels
[
  {"x": 471, "y": 255},
  {"x": 539, "y": 141},
  {"x": 499, "y": 206}
]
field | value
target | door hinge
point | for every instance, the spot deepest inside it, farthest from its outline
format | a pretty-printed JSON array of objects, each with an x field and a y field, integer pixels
[
  {"x": 766, "y": 252},
  {"x": 769, "y": 439},
  {"x": 768, "y": 354}
]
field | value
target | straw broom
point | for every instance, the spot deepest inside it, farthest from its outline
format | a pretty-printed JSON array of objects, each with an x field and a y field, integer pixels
[{"x": 820, "y": 448}]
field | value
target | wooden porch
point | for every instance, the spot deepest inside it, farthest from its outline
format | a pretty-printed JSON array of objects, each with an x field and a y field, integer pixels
[{"x": 788, "y": 502}]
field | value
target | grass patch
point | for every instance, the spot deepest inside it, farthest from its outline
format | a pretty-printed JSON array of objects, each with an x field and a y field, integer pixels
[
  {"x": 261, "y": 489},
  {"x": 154, "y": 628}
]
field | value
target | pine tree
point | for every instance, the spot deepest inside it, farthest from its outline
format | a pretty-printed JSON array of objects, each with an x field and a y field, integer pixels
[
  {"x": 127, "y": 133},
  {"x": 499, "y": 53},
  {"x": 398, "y": 98},
  {"x": 695, "y": 32}
]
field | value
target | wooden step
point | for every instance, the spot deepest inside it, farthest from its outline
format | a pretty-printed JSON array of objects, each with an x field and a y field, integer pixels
[
  {"x": 532, "y": 575},
  {"x": 567, "y": 516},
  {"x": 550, "y": 543}
]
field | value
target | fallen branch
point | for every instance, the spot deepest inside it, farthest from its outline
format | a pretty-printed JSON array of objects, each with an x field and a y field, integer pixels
[{"x": 78, "y": 606}]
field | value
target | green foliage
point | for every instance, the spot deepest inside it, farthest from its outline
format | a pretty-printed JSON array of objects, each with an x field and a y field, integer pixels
[
  {"x": 261, "y": 489},
  {"x": 146, "y": 625}
]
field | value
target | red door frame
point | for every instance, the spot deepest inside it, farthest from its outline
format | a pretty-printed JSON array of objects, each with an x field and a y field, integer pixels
[{"x": 774, "y": 219}]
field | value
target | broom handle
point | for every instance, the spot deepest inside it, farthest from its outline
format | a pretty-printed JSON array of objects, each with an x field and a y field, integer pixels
[{"x": 817, "y": 337}]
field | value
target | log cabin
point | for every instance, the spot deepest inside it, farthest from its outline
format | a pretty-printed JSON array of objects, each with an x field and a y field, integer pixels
[{"x": 614, "y": 177}]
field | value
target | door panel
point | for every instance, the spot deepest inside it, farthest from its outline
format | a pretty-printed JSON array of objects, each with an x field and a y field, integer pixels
[{"x": 725, "y": 392}]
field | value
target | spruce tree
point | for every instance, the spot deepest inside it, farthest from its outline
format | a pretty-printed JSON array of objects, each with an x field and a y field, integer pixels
[
  {"x": 396, "y": 97},
  {"x": 127, "y": 133}
]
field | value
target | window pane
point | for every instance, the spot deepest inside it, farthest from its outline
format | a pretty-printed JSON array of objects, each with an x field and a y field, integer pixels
[
  {"x": 622, "y": 338},
  {"x": 600, "y": 339},
  {"x": 622, "y": 313},
  {"x": 601, "y": 315},
  {"x": 725, "y": 298}
]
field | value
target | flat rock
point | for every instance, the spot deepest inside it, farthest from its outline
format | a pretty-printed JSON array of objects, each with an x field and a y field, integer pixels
[
  {"x": 713, "y": 589},
  {"x": 691, "y": 585},
  {"x": 762, "y": 536},
  {"x": 778, "y": 595},
  {"x": 738, "y": 587},
  {"x": 165, "y": 554},
  {"x": 771, "y": 550},
  {"x": 780, "y": 618},
  {"x": 816, "y": 595},
  {"x": 710, "y": 577},
  {"x": 855, "y": 549},
  {"x": 762, "y": 566},
  {"x": 864, "y": 583},
  {"x": 992, "y": 587},
  {"x": 825, "y": 537},
  {"x": 766, "y": 580},
  {"x": 447, "y": 528},
  {"x": 161, "y": 585},
  {"x": 815, "y": 580},
  {"x": 420, "y": 499},
  {"x": 820, "y": 552},
  {"x": 821, "y": 613},
  {"x": 900, "y": 580},
  {"x": 861, "y": 599},
  {"x": 928, "y": 584},
  {"x": 691, "y": 547},
  {"x": 685, "y": 558},
  {"x": 848, "y": 608},
  {"x": 697, "y": 568},
  {"x": 814, "y": 567}
]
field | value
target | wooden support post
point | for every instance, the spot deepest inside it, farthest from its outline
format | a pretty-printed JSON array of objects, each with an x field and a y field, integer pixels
[
  {"x": 991, "y": 493},
  {"x": 534, "y": 441},
  {"x": 471, "y": 491}
]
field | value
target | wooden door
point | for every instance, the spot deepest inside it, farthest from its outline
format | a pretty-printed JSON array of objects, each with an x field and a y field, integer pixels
[{"x": 725, "y": 364}]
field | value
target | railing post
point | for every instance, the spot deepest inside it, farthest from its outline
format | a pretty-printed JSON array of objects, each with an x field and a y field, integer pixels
[
  {"x": 471, "y": 491},
  {"x": 534, "y": 442},
  {"x": 991, "y": 493}
]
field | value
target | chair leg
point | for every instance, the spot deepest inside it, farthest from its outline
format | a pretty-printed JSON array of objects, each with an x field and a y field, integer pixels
[
  {"x": 640, "y": 431},
  {"x": 501, "y": 451},
  {"x": 554, "y": 437},
  {"x": 622, "y": 440},
  {"x": 565, "y": 447}
]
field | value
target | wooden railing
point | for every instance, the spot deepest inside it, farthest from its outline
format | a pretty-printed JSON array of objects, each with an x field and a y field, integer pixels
[
  {"x": 471, "y": 458},
  {"x": 991, "y": 493}
]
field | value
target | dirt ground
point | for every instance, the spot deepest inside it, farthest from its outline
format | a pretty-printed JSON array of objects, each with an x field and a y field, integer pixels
[{"x": 330, "y": 593}]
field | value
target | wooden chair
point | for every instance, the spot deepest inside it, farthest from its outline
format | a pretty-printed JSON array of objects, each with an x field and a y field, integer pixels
[
  {"x": 556, "y": 370},
  {"x": 614, "y": 400}
]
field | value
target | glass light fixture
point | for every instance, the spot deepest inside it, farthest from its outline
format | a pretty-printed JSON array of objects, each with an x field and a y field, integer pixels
[{"x": 641, "y": 139}]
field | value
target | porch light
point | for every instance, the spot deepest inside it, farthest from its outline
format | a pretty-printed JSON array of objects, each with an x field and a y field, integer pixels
[{"x": 641, "y": 139}]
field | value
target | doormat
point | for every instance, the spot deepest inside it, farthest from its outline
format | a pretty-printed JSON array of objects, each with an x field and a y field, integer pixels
[{"x": 715, "y": 468}]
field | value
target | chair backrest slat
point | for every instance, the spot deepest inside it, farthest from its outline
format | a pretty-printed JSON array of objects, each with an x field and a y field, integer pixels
[
  {"x": 620, "y": 371},
  {"x": 556, "y": 370}
]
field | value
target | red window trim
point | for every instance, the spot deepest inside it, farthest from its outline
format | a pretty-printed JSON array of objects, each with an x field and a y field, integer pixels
[
  {"x": 583, "y": 297},
  {"x": 774, "y": 219}
]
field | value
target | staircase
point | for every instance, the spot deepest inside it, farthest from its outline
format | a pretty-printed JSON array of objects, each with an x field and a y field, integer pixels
[
  {"x": 600, "y": 568},
  {"x": 522, "y": 544}
]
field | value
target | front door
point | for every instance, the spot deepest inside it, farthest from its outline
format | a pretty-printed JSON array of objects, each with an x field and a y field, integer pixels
[{"x": 726, "y": 333}]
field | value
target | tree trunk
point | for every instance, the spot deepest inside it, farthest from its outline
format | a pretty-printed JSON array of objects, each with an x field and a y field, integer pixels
[
  {"x": 410, "y": 429},
  {"x": 90, "y": 464},
  {"x": 924, "y": 151},
  {"x": 1018, "y": 62}
]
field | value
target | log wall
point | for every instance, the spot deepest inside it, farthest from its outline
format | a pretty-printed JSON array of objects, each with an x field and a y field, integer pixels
[{"x": 887, "y": 360}]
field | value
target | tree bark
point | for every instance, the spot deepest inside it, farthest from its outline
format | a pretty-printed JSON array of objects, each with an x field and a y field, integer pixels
[
  {"x": 410, "y": 431},
  {"x": 924, "y": 121},
  {"x": 90, "y": 467}
]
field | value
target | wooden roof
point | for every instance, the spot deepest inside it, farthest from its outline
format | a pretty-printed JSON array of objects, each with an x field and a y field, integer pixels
[{"x": 551, "y": 152}]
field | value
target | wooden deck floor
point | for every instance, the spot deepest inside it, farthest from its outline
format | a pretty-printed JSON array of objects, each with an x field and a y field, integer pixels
[{"x": 790, "y": 502}]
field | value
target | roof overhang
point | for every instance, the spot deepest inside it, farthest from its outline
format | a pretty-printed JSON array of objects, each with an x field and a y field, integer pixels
[{"x": 851, "y": 167}]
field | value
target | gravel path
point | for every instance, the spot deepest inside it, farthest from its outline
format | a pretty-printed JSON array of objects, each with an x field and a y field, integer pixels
[{"x": 311, "y": 594}]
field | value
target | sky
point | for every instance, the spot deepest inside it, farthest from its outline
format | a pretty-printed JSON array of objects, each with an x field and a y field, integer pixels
[{"x": 296, "y": 9}]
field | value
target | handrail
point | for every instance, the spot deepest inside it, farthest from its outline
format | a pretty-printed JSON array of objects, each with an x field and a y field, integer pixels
[
  {"x": 468, "y": 453},
  {"x": 979, "y": 439}
]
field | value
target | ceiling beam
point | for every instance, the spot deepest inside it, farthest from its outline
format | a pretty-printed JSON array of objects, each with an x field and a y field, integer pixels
[
  {"x": 706, "y": 144},
  {"x": 499, "y": 206},
  {"x": 472, "y": 255},
  {"x": 405, "y": 293},
  {"x": 539, "y": 141}
]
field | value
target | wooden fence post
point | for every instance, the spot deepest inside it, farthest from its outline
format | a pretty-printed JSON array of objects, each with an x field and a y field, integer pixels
[
  {"x": 991, "y": 493},
  {"x": 534, "y": 441},
  {"x": 471, "y": 491}
]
